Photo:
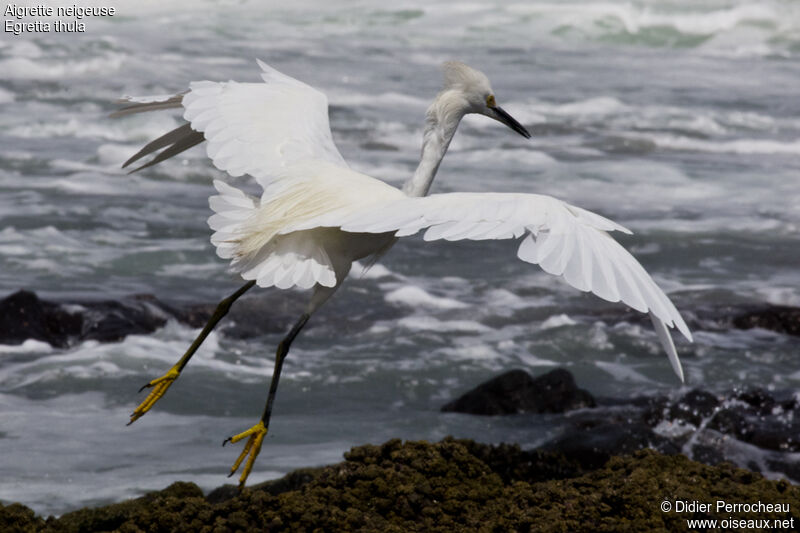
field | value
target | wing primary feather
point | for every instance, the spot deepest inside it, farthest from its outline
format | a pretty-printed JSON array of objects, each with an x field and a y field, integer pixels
[
  {"x": 575, "y": 263},
  {"x": 679, "y": 322},
  {"x": 172, "y": 102},
  {"x": 604, "y": 282},
  {"x": 669, "y": 346},
  {"x": 587, "y": 264},
  {"x": 550, "y": 252},
  {"x": 650, "y": 291},
  {"x": 628, "y": 290},
  {"x": 165, "y": 140},
  {"x": 184, "y": 143},
  {"x": 597, "y": 221}
]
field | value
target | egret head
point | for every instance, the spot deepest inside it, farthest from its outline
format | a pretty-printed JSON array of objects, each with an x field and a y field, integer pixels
[{"x": 474, "y": 87}]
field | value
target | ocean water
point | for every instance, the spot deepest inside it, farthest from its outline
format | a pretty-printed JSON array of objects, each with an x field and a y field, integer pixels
[{"x": 677, "y": 119}]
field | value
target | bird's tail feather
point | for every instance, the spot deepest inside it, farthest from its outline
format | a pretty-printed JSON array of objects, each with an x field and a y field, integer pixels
[
  {"x": 141, "y": 104},
  {"x": 174, "y": 142},
  {"x": 294, "y": 259},
  {"x": 232, "y": 209}
]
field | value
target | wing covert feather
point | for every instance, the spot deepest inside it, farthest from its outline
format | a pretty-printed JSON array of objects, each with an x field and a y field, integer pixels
[
  {"x": 261, "y": 129},
  {"x": 564, "y": 240}
]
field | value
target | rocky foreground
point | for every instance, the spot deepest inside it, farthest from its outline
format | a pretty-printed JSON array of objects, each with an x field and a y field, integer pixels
[{"x": 453, "y": 485}]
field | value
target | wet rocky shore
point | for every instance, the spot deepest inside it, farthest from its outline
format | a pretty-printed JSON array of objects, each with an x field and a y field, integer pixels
[
  {"x": 452, "y": 485},
  {"x": 754, "y": 428},
  {"x": 614, "y": 463}
]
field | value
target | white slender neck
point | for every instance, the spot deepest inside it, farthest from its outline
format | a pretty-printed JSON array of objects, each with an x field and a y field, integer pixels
[{"x": 441, "y": 121}]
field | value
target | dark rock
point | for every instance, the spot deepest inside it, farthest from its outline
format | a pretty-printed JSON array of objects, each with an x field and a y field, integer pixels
[
  {"x": 692, "y": 408},
  {"x": 778, "y": 431},
  {"x": 24, "y": 316},
  {"x": 592, "y": 447},
  {"x": 710, "y": 455},
  {"x": 712, "y": 428},
  {"x": 755, "y": 428},
  {"x": 517, "y": 392},
  {"x": 758, "y": 399},
  {"x": 753, "y": 416},
  {"x": 195, "y": 315},
  {"x": 780, "y": 318},
  {"x": 789, "y": 466},
  {"x": 112, "y": 321}
]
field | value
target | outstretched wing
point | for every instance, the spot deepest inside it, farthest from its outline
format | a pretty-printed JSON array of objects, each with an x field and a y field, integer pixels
[
  {"x": 260, "y": 129},
  {"x": 563, "y": 239}
]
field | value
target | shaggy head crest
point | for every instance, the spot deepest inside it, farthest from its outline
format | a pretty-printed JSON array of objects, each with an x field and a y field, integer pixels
[{"x": 458, "y": 75}]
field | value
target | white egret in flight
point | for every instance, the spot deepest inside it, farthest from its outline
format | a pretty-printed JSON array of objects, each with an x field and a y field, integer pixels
[{"x": 316, "y": 216}]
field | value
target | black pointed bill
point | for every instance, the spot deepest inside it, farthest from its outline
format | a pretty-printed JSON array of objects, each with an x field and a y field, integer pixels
[{"x": 509, "y": 121}]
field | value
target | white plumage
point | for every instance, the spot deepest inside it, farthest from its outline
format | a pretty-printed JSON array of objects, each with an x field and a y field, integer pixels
[
  {"x": 563, "y": 239},
  {"x": 261, "y": 129},
  {"x": 316, "y": 216},
  {"x": 279, "y": 133}
]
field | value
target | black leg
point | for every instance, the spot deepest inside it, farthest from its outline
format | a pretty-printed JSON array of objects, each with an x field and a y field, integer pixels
[
  {"x": 160, "y": 385},
  {"x": 222, "y": 309},
  {"x": 256, "y": 433},
  {"x": 280, "y": 355}
]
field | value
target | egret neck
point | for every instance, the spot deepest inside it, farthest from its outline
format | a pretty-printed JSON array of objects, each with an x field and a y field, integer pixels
[{"x": 441, "y": 121}]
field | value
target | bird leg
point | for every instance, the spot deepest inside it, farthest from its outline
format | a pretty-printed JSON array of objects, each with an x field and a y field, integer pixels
[
  {"x": 256, "y": 433},
  {"x": 161, "y": 384}
]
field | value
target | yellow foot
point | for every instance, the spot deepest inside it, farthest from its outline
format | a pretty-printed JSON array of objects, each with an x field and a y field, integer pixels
[
  {"x": 159, "y": 386},
  {"x": 251, "y": 449}
]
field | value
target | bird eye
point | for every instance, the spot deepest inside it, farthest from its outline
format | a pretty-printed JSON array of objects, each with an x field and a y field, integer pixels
[{"x": 490, "y": 101}]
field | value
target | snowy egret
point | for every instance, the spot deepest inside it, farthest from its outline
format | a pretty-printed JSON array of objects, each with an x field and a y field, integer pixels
[{"x": 317, "y": 216}]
